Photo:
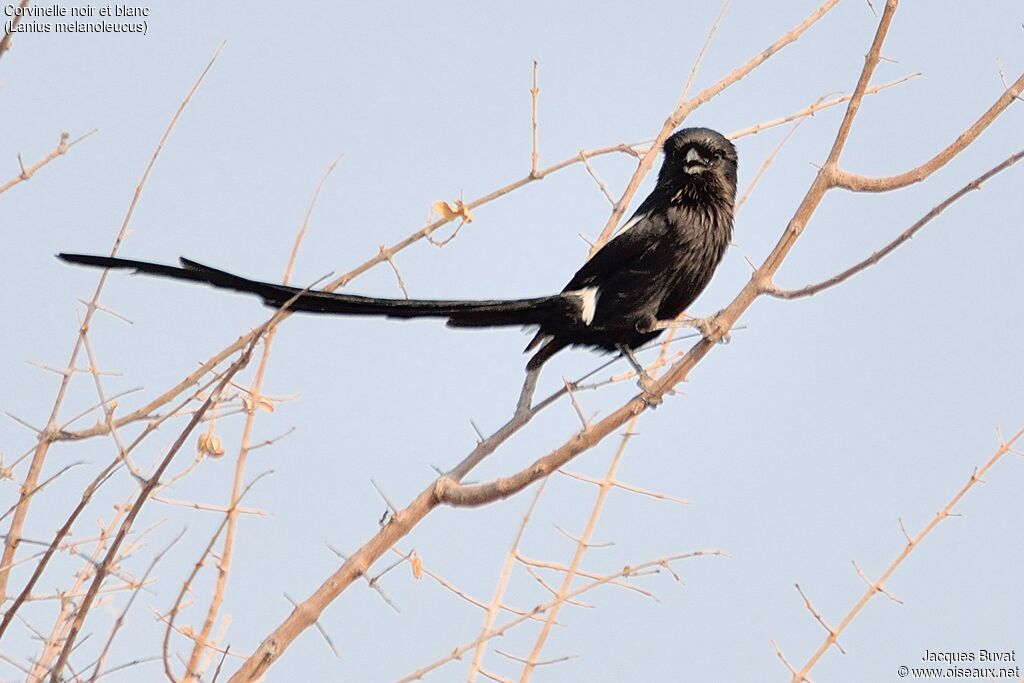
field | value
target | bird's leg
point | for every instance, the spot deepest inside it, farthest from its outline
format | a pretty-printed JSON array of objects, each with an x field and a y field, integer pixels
[
  {"x": 708, "y": 327},
  {"x": 526, "y": 395},
  {"x": 645, "y": 381}
]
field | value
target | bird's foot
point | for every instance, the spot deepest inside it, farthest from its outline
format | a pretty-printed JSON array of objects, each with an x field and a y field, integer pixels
[
  {"x": 647, "y": 395},
  {"x": 644, "y": 380},
  {"x": 710, "y": 328}
]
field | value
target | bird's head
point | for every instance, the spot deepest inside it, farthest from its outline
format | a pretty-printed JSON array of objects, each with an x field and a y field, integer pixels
[{"x": 699, "y": 157}]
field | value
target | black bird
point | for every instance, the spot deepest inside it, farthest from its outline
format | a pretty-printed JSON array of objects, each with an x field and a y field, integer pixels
[{"x": 631, "y": 290}]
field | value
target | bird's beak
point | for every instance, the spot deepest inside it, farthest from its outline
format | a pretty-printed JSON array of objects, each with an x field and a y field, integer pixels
[{"x": 694, "y": 162}]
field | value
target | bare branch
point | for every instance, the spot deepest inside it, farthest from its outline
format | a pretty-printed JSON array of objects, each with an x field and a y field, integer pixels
[
  {"x": 51, "y": 434},
  {"x": 502, "y": 586},
  {"x": 859, "y": 183},
  {"x": 600, "y": 183},
  {"x": 768, "y": 161},
  {"x": 5, "y": 44},
  {"x": 906, "y": 235},
  {"x": 625, "y": 572},
  {"x": 814, "y": 108},
  {"x": 62, "y": 147},
  {"x": 820, "y": 619},
  {"x": 194, "y": 666},
  {"x": 534, "y": 154},
  {"x": 878, "y": 586},
  {"x": 147, "y": 489},
  {"x": 119, "y": 622}
]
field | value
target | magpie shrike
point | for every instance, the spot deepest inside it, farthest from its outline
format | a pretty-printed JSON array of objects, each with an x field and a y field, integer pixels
[{"x": 631, "y": 290}]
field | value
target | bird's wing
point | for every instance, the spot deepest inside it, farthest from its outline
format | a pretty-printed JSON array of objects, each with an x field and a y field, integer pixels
[{"x": 638, "y": 236}]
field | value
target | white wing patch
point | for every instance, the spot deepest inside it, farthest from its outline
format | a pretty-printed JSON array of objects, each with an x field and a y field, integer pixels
[
  {"x": 632, "y": 221},
  {"x": 588, "y": 298}
]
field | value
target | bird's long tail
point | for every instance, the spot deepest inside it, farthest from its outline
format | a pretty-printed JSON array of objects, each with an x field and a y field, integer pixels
[{"x": 492, "y": 313}]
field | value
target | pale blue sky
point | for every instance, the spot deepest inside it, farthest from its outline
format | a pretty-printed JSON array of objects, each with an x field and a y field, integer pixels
[{"x": 800, "y": 444}]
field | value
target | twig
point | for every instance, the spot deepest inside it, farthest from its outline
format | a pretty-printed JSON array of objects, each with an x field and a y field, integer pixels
[
  {"x": 814, "y": 108},
  {"x": 859, "y": 183},
  {"x": 319, "y": 627},
  {"x": 50, "y": 434},
  {"x": 582, "y": 545},
  {"x": 820, "y": 619},
  {"x": 397, "y": 272},
  {"x": 43, "y": 485},
  {"x": 534, "y": 155},
  {"x": 119, "y": 622},
  {"x": 625, "y": 487},
  {"x": 449, "y": 586},
  {"x": 192, "y": 505},
  {"x": 906, "y": 235},
  {"x": 147, "y": 489},
  {"x": 5, "y": 44},
  {"x": 878, "y": 585},
  {"x": 179, "y": 600},
  {"x": 625, "y": 572},
  {"x": 375, "y": 585},
  {"x": 502, "y": 586},
  {"x": 600, "y": 183},
  {"x": 577, "y": 408},
  {"x": 62, "y": 147},
  {"x": 232, "y": 515},
  {"x": 768, "y": 161},
  {"x": 554, "y": 566},
  {"x": 703, "y": 49}
]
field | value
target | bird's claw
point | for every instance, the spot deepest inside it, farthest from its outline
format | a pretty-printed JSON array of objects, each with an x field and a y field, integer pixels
[
  {"x": 651, "y": 400},
  {"x": 712, "y": 330},
  {"x": 646, "y": 384}
]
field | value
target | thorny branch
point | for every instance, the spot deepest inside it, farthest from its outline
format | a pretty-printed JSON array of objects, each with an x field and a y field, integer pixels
[
  {"x": 625, "y": 572},
  {"x": 906, "y": 235},
  {"x": 194, "y": 668},
  {"x": 5, "y": 44},
  {"x": 51, "y": 433},
  {"x": 147, "y": 489},
  {"x": 878, "y": 585},
  {"x": 60, "y": 150}
]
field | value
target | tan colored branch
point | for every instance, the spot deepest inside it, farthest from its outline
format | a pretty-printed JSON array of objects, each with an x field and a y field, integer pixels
[
  {"x": 148, "y": 487},
  {"x": 499, "y": 590},
  {"x": 906, "y": 235},
  {"x": 51, "y": 433},
  {"x": 534, "y": 96},
  {"x": 878, "y": 585},
  {"x": 5, "y": 44},
  {"x": 582, "y": 546},
  {"x": 60, "y": 150},
  {"x": 814, "y": 108},
  {"x": 625, "y": 572},
  {"x": 859, "y": 183},
  {"x": 194, "y": 668}
]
